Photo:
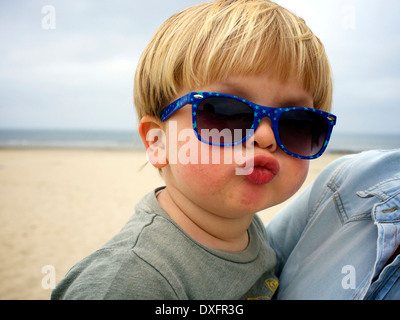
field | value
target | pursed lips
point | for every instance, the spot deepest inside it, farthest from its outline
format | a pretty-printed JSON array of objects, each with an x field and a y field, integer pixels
[{"x": 264, "y": 169}]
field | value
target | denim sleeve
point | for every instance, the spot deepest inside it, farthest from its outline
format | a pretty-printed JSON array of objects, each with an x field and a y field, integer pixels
[{"x": 285, "y": 229}]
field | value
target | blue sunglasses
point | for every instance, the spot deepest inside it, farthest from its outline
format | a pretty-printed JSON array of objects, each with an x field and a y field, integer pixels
[{"x": 303, "y": 133}]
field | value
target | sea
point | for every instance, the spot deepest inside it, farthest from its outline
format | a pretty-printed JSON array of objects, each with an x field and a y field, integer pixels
[
  {"x": 130, "y": 140},
  {"x": 74, "y": 139}
]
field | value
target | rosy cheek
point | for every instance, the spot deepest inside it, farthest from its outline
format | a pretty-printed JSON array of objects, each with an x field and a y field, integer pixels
[
  {"x": 296, "y": 175},
  {"x": 200, "y": 162},
  {"x": 202, "y": 178},
  {"x": 303, "y": 166}
]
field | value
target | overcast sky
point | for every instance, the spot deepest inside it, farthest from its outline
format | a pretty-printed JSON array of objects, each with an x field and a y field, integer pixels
[{"x": 76, "y": 71}]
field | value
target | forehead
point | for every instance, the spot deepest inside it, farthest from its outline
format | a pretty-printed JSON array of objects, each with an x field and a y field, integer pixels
[{"x": 262, "y": 89}]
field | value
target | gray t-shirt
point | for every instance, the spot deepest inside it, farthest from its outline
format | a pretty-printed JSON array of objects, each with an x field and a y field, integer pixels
[{"x": 153, "y": 258}]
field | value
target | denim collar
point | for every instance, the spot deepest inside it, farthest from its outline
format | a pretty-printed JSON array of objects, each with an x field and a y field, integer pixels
[{"x": 389, "y": 192}]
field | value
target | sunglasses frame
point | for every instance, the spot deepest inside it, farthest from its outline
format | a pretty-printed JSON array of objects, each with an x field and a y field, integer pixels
[{"x": 260, "y": 112}]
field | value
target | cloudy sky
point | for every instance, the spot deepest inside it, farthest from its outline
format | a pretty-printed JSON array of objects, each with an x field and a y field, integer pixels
[{"x": 70, "y": 64}]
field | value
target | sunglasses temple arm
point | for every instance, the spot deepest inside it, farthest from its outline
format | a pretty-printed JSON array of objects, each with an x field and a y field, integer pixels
[{"x": 175, "y": 106}]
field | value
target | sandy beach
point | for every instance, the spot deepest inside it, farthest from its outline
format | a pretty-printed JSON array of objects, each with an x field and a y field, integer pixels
[{"x": 59, "y": 205}]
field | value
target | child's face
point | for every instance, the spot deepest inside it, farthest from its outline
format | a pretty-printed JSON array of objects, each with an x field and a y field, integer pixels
[{"x": 217, "y": 188}]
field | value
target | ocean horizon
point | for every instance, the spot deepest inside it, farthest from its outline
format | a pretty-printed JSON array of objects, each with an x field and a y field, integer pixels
[{"x": 130, "y": 140}]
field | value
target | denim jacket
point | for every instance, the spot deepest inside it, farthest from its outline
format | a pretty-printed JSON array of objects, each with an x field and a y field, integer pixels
[{"x": 338, "y": 238}]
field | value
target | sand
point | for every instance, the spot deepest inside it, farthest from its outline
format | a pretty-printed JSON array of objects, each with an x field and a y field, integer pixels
[{"x": 59, "y": 205}]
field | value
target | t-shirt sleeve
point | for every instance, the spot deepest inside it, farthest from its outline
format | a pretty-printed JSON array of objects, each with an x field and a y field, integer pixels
[{"x": 112, "y": 275}]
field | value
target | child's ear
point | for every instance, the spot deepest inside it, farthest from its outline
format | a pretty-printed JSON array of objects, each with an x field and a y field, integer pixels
[{"x": 151, "y": 130}]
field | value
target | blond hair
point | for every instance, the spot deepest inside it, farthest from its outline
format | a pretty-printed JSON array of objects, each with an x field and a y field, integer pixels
[{"x": 210, "y": 41}]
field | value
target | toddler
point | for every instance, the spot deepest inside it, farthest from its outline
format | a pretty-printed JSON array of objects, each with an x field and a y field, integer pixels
[{"x": 232, "y": 98}]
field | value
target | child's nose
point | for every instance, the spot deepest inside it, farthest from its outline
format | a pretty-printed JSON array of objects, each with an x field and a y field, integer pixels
[{"x": 264, "y": 136}]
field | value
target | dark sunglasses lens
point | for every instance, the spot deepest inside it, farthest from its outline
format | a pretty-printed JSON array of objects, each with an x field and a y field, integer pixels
[
  {"x": 303, "y": 132},
  {"x": 230, "y": 117}
]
